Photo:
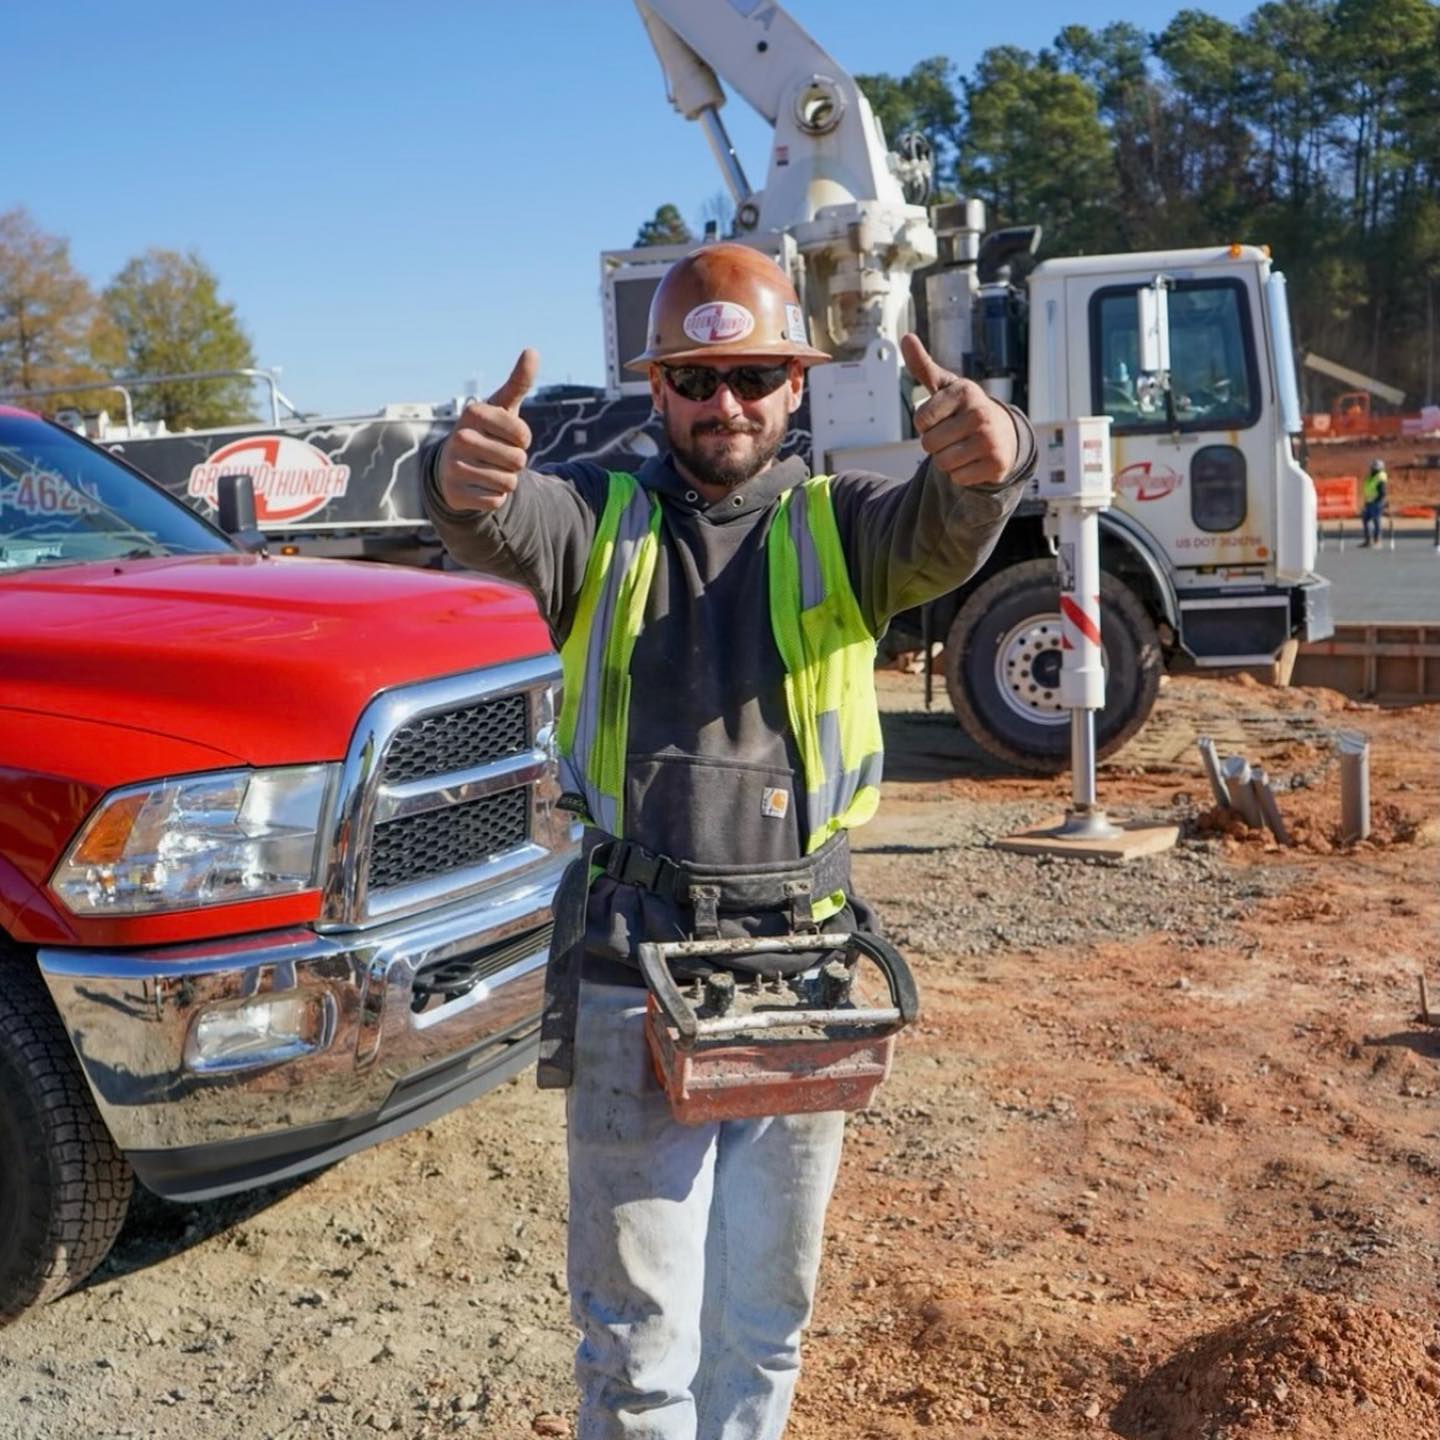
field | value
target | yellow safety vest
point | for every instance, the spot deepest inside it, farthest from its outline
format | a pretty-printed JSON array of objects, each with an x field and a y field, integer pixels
[{"x": 826, "y": 648}]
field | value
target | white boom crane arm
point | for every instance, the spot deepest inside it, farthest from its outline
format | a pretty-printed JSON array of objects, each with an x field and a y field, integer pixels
[{"x": 832, "y": 188}]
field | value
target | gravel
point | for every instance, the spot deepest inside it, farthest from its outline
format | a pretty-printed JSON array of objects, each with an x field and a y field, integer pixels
[{"x": 960, "y": 897}]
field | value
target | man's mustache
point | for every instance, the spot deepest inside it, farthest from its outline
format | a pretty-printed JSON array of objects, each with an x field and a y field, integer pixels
[{"x": 726, "y": 427}]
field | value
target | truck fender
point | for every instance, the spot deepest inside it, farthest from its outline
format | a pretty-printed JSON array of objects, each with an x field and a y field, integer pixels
[
  {"x": 27, "y": 913},
  {"x": 1118, "y": 528}
]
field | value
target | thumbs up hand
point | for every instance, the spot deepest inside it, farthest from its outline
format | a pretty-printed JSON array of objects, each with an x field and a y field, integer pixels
[
  {"x": 480, "y": 463},
  {"x": 968, "y": 435}
]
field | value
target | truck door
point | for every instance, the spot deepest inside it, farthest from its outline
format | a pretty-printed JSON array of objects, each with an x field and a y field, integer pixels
[{"x": 1195, "y": 473}]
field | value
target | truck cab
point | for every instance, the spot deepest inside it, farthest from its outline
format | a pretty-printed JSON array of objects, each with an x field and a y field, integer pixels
[
  {"x": 1208, "y": 548},
  {"x": 1204, "y": 468},
  {"x": 278, "y": 843}
]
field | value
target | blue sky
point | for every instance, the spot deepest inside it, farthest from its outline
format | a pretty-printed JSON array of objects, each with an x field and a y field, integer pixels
[{"x": 397, "y": 197}]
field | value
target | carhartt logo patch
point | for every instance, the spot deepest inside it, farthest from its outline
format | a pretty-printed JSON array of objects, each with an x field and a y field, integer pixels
[{"x": 775, "y": 804}]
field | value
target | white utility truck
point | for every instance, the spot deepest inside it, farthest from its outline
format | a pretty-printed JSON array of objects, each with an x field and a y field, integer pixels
[{"x": 1208, "y": 550}]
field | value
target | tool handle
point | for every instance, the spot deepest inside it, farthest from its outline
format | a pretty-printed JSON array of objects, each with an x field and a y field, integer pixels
[
  {"x": 666, "y": 991},
  {"x": 897, "y": 973},
  {"x": 679, "y": 1012}
]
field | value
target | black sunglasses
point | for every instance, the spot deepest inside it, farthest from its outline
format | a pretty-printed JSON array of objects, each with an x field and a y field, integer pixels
[{"x": 746, "y": 382}]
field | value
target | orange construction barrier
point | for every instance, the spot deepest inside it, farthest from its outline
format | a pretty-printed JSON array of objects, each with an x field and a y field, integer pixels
[{"x": 1337, "y": 497}]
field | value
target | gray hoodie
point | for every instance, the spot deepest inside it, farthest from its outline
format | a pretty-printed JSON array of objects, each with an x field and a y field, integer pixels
[{"x": 708, "y": 727}]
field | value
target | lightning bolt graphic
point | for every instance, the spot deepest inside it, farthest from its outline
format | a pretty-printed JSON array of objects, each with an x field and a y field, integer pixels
[
  {"x": 387, "y": 505},
  {"x": 581, "y": 413}
]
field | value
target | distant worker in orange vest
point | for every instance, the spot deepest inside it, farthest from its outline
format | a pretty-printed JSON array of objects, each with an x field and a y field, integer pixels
[{"x": 1376, "y": 485}]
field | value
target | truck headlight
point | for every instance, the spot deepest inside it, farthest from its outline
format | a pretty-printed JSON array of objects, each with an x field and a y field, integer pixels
[{"x": 213, "y": 839}]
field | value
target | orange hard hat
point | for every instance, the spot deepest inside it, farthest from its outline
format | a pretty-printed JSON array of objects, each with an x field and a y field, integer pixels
[{"x": 721, "y": 301}]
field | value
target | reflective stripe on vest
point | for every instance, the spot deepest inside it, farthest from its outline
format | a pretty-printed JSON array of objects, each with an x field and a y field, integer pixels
[
  {"x": 824, "y": 644},
  {"x": 595, "y": 658},
  {"x": 829, "y": 657}
]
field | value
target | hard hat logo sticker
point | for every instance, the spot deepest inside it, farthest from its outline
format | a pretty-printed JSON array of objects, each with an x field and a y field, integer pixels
[{"x": 717, "y": 321}]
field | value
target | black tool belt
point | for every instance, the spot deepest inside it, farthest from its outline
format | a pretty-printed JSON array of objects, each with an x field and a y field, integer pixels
[
  {"x": 712, "y": 890},
  {"x": 791, "y": 886}
]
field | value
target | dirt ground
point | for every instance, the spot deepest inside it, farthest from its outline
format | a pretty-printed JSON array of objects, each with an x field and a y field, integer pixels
[{"x": 1158, "y": 1161}]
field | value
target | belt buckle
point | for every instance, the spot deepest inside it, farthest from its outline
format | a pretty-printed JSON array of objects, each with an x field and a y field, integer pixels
[{"x": 666, "y": 881}]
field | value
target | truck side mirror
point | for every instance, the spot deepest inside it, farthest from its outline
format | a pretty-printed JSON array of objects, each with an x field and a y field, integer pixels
[
  {"x": 235, "y": 500},
  {"x": 1154, "y": 301}
]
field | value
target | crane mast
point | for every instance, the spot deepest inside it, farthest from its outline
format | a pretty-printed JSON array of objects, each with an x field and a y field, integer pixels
[{"x": 834, "y": 208}]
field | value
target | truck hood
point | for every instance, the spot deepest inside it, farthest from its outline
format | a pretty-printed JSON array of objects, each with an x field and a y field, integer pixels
[{"x": 264, "y": 660}]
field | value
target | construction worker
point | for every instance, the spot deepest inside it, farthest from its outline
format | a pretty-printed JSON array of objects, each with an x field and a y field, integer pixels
[
  {"x": 1376, "y": 485},
  {"x": 700, "y": 721}
]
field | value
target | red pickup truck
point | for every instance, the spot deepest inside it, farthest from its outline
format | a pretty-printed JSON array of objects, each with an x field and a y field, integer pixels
[{"x": 278, "y": 842}]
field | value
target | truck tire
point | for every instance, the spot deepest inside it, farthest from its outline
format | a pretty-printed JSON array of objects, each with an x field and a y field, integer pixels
[
  {"x": 64, "y": 1187},
  {"x": 1002, "y": 667}
]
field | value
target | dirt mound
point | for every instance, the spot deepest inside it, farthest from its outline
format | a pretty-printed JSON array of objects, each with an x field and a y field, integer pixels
[
  {"x": 1315, "y": 831},
  {"x": 1307, "y": 1367}
]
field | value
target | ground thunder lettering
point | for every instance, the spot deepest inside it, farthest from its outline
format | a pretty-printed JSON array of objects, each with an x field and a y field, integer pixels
[{"x": 274, "y": 482}]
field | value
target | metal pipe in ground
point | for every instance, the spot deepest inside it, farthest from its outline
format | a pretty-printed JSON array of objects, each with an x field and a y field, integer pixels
[
  {"x": 1354, "y": 786},
  {"x": 1211, "y": 762},
  {"x": 1235, "y": 769},
  {"x": 1265, "y": 799}
]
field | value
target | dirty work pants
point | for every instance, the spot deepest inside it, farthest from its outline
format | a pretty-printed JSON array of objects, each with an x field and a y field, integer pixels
[
  {"x": 1370, "y": 518},
  {"x": 693, "y": 1248}
]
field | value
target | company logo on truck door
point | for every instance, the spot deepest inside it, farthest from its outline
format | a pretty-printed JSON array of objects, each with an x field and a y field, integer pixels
[
  {"x": 1148, "y": 480},
  {"x": 718, "y": 320},
  {"x": 293, "y": 480}
]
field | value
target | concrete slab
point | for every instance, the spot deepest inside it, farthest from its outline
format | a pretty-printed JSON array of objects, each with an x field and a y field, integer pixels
[
  {"x": 1384, "y": 584},
  {"x": 1134, "y": 840}
]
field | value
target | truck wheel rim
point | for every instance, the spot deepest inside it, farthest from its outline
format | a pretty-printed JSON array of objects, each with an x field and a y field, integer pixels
[{"x": 1027, "y": 670}]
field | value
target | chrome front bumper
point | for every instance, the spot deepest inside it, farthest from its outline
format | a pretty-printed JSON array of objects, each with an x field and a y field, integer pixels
[{"x": 377, "y": 1064}]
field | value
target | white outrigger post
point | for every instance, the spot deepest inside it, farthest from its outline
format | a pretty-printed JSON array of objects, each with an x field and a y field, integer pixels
[{"x": 1074, "y": 480}]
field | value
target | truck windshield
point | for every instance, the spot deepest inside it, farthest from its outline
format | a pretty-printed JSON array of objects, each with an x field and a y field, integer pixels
[
  {"x": 1214, "y": 382},
  {"x": 64, "y": 503}
]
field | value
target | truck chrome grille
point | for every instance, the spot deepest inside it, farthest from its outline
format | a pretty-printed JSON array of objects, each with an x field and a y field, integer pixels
[
  {"x": 449, "y": 789},
  {"x": 436, "y": 841},
  {"x": 457, "y": 740}
]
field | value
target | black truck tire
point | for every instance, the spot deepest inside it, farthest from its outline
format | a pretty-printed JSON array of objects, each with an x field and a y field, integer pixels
[
  {"x": 1002, "y": 667},
  {"x": 64, "y": 1187}
]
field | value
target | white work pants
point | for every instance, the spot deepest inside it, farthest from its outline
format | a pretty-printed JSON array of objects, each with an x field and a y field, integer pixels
[{"x": 693, "y": 1248}]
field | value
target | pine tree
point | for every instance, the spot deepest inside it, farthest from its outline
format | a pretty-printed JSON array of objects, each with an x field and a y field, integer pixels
[{"x": 666, "y": 228}]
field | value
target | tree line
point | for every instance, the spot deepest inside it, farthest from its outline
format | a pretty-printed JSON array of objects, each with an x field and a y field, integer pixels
[
  {"x": 1312, "y": 126},
  {"x": 161, "y": 314}
]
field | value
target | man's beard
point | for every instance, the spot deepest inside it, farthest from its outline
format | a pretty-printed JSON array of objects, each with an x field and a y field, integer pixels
[{"x": 734, "y": 465}]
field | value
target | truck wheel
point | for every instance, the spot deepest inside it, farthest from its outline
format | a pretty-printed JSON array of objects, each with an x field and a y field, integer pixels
[
  {"x": 1002, "y": 667},
  {"x": 64, "y": 1187}
]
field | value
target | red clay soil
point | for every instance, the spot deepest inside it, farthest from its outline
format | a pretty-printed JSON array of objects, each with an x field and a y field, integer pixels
[
  {"x": 1306, "y": 1366},
  {"x": 1171, "y": 1180}
]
